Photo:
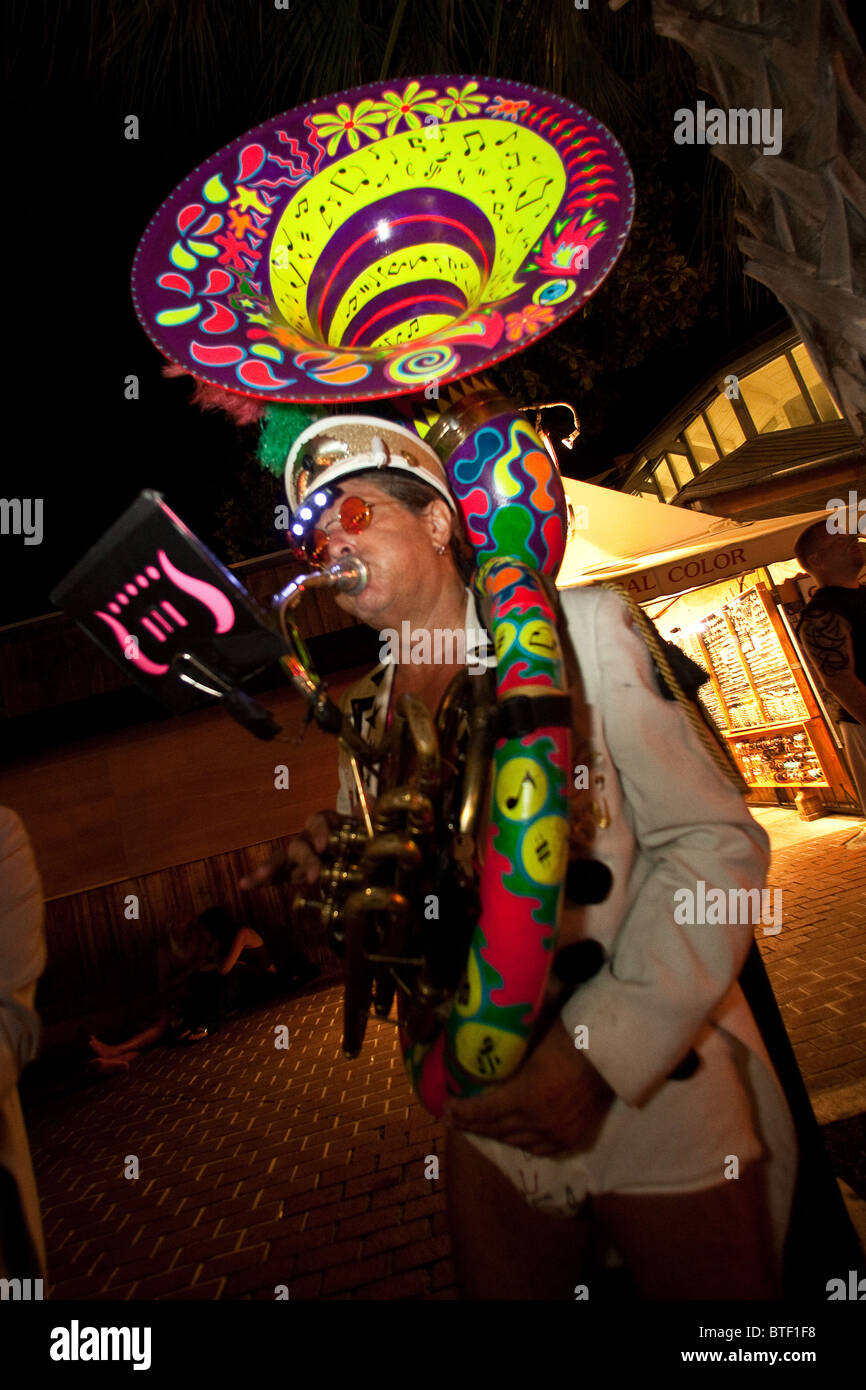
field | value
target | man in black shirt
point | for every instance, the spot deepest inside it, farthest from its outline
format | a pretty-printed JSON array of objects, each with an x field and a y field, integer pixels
[{"x": 833, "y": 630}]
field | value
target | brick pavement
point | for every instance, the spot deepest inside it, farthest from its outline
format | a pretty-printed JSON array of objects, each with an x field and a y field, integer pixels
[
  {"x": 260, "y": 1166},
  {"x": 817, "y": 963}
]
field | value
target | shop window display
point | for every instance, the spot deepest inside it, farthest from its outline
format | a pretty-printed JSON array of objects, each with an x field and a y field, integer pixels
[{"x": 757, "y": 694}]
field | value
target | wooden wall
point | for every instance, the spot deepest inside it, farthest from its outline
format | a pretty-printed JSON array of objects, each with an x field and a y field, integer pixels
[
  {"x": 106, "y": 969},
  {"x": 51, "y": 661},
  {"x": 160, "y": 795},
  {"x": 173, "y": 814}
]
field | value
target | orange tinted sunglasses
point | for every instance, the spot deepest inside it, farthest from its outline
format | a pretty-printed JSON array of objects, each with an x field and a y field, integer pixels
[{"x": 354, "y": 516}]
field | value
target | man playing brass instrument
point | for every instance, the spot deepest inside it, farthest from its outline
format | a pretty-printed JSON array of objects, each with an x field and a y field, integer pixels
[{"x": 648, "y": 1119}]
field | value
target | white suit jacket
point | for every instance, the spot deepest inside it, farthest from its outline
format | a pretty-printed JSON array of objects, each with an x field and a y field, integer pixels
[{"x": 674, "y": 819}]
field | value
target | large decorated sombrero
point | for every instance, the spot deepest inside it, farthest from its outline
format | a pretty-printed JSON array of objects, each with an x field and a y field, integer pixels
[{"x": 372, "y": 241}]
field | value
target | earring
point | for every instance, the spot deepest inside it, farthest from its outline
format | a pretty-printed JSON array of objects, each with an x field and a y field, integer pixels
[{"x": 440, "y": 550}]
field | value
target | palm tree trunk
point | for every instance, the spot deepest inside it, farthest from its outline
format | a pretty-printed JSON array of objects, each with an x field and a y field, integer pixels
[{"x": 806, "y": 206}]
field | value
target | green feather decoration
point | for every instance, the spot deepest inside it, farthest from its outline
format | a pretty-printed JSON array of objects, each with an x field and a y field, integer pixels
[{"x": 282, "y": 423}]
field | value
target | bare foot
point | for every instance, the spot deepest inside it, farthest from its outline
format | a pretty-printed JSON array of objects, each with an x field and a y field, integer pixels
[
  {"x": 105, "y": 1049},
  {"x": 104, "y": 1066}
]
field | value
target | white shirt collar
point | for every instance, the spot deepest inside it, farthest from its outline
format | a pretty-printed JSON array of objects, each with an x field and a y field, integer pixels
[{"x": 479, "y": 646}]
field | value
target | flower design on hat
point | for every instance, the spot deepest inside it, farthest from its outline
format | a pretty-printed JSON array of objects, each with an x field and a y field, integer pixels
[
  {"x": 466, "y": 102},
  {"x": 396, "y": 108},
  {"x": 570, "y": 250},
  {"x": 365, "y": 118},
  {"x": 532, "y": 319}
]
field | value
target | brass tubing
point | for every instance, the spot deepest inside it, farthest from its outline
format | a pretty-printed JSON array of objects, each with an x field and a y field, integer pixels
[
  {"x": 363, "y": 798},
  {"x": 405, "y": 801},
  {"x": 349, "y": 575},
  {"x": 456, "y": 423},
  {"x": 451, "y": 699},
  {"x": 477, "y": 764},
  {"x": 360, "y": 904},
  {"x": 423, "y": 732},
  {"x": 393, "y": 846},
  {"x": 359, "y": 976}
]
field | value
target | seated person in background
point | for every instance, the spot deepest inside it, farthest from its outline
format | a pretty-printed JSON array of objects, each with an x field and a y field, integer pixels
[
  {"x": 227, "y": 967},
  {"x": 239, "y": 976},
  {"x": 245, "y": 946},
  {"x": 241, "y": 945}
]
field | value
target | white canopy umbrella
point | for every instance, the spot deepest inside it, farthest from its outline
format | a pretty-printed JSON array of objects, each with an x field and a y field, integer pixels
[{"x": 652, "y": 549}]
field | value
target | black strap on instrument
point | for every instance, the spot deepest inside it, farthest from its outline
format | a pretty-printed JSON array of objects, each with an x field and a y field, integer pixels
[{"x": 523, "y": 714}]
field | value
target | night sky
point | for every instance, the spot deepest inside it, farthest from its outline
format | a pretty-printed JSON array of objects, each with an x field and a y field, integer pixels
[
  {"x": 89, "y": 195},
  {"x": 79, "y": 196}
]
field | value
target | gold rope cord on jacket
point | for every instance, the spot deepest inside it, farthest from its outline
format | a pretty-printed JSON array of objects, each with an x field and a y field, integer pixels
[{"x": 707, "y": 733}]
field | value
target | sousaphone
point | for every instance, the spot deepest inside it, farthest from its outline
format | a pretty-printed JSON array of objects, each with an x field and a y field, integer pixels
[{"x": 395, "y": 240}]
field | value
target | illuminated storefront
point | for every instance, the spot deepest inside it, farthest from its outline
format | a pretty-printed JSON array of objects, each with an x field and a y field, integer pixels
[
  {"x": 761, "y": 694},
  {"x": 759, "y": 442},
  {"x": 724, "y": 592}
]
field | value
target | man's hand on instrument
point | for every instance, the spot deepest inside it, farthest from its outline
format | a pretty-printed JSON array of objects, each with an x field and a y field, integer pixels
[
  {"x": 555, "y": 1103},
  {"x": 300, "y": 861}
]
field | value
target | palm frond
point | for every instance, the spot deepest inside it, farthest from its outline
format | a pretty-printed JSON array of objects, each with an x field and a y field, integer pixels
[{"x": 392, "y": 39}]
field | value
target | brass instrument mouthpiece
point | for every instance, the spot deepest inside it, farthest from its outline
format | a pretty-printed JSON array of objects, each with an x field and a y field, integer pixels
[{"x": 350, "y": 575}]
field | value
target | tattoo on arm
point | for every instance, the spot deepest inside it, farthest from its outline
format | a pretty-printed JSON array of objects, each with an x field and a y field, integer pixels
[{"x": 827, "y": 637}]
